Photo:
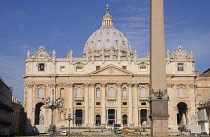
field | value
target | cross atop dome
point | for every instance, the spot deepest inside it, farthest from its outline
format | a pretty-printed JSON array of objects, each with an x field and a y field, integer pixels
[{"x": 107, "y": 19}]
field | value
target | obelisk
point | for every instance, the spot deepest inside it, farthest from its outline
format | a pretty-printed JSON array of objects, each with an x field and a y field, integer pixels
[{"x": 158, "y": 92}]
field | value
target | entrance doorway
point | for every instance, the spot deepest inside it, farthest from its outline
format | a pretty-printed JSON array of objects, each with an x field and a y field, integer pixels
[
  {"x": 78, "y": 117},
  {"x": 98, "y": 120},
  {"x": 125, "y": 119},
  {"x": 111, "y": 116},
  {"x": 39, "y": 117},
  {"x": 182, "y": 113},
  {"x": 143, "y": 114}
]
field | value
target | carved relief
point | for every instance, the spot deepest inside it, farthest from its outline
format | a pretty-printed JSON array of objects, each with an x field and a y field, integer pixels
[
  {"x": 30, "y": 85},
  {"x": 180, "y": 54}
]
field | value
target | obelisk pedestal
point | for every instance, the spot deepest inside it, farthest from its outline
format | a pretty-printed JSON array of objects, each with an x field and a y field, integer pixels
[{"x": 158, "y": 93}]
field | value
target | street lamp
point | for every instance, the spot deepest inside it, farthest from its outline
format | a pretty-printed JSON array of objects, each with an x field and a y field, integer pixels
[
  {"x": 69, "y": 118},
  {"x": 54, "y": 105}
]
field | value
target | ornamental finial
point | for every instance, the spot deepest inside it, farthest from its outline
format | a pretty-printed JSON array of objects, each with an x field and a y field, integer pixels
[{"x": 107, "y": 6}]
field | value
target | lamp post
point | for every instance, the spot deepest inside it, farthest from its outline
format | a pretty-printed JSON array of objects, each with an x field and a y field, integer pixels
[
  {"x": 69, "y": 118},
  {"x": 54, "y": 105}
]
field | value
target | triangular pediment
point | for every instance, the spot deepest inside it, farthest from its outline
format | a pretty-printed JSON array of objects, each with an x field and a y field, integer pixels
[{"x": 111, "y": 70}]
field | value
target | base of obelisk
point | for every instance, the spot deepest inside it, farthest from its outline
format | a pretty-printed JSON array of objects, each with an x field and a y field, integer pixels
[{"x": 159, "y": 118}]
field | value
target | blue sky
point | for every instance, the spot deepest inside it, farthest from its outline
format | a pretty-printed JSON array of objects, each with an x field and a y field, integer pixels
[{"x": 64, "y": 25}]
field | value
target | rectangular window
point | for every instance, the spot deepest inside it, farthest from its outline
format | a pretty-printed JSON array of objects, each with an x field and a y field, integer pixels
[
  {"x": 180, "y": 66},
  {"x": 124, "y": 103},
  {"x": 124, "y": 94},
  {"x": 111, "y": 92},
  {"x": 98, "y": 103},
  {"x": 98, "y": 93},
  {"x": 79, "y": 92},
  {"x": 143, "y": 92},
  {"x": 124, "y": 67},
  {"x": 181, "y": 92},
  {"x": 41, "y": 67},
  {"x": 79, "y": 103},
  {"x": 143, "y": 68},
  {"x": 143, "y": 103},
  {"x": 79, "y": 68},
  {"x": 97, "y": 67},
  {"x": 62, "y": 69},
  {"x": 41, "y": 93}
]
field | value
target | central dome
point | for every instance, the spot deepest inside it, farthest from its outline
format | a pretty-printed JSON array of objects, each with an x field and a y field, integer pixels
[{"x": 107, "y": 38}]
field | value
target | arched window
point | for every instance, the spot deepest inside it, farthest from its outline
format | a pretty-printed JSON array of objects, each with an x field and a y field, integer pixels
[
  {"x": 181, "y": 92},
  {"x": 124, "y": 93},
  {"x": 98, "y": 93},
  {"x": 61, "y": 115},
  {"x": 41, "y": 93},
  {"x": 143, "y": 92},
  {"x": 125, "y": 119},
  {"x": 111, "y": 92},
  {"x": 62, "y": 92},
  {"x": 98, "y": 120},
  {"x": 79, "y": 92}
]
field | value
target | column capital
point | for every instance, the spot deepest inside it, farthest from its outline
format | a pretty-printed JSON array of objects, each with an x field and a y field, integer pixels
[
  {"x": 92, "y": 84},
  {"x": 135, "y": 85},
  {"x": 103, "y": 84},
  {"x": 70, "y": 85},
  {"x": 53, "y": 85},
  {"x": 30, "y": 85},
  {"x": 119, "y": 84},
  {"x": 87, "y": 84},
  {"x": 130, "y": 84}
]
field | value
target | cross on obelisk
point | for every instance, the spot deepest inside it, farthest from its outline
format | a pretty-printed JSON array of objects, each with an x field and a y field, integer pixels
[{"x": 158, "y": 92}]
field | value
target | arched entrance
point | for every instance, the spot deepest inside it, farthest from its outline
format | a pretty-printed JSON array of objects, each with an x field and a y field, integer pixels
[
  {"x": 125, "y": 119},
  {"x": 39, "y": 117},
  {"x": 182, "y": 113},
  {"x": 98, "y": 120}
]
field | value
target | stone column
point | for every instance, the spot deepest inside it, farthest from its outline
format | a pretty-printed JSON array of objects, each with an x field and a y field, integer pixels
[
  {"x": 71, "y": 100},
  {"x": 29, "y": 108},
  {"x": 92, "y": 105},
  {"x": 34, "y": 90},
  {"x": 119, "y": 103},
  {"x": 86, "y": 93},
  {"x": 158, "y": 106},
  {"x": 103, "y": 103},
  {"x": 192, "y": 110},
  {"x": 130, "y": 105},
  {"x": 135, "y": 110}
]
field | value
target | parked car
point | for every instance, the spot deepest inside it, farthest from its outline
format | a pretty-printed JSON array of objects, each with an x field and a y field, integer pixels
[
  {"x": 118, "y": 131},
  {"x": 64, "y": 133}
]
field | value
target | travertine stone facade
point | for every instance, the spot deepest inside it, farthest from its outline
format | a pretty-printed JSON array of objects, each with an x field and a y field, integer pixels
[{"x": 109, "y": 84}]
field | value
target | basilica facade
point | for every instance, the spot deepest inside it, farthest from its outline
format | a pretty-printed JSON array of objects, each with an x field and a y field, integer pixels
[{"x": 108, "y": 85}]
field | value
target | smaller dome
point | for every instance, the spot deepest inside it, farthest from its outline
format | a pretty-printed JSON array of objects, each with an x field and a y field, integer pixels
[{"x": 107, "y": 38}]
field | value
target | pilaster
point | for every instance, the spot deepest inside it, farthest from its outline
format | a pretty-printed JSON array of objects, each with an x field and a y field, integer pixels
[
  {"x": 86, "y": 93},
  {"x": 135, "y": 111},
  {"x": 119, "y": 103},
  {"x": 103, "y": 103},
  {"x": 92, "y": 105},
  {"x": 130, "y": 105},
  {"x": 71, "y": 100}
]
